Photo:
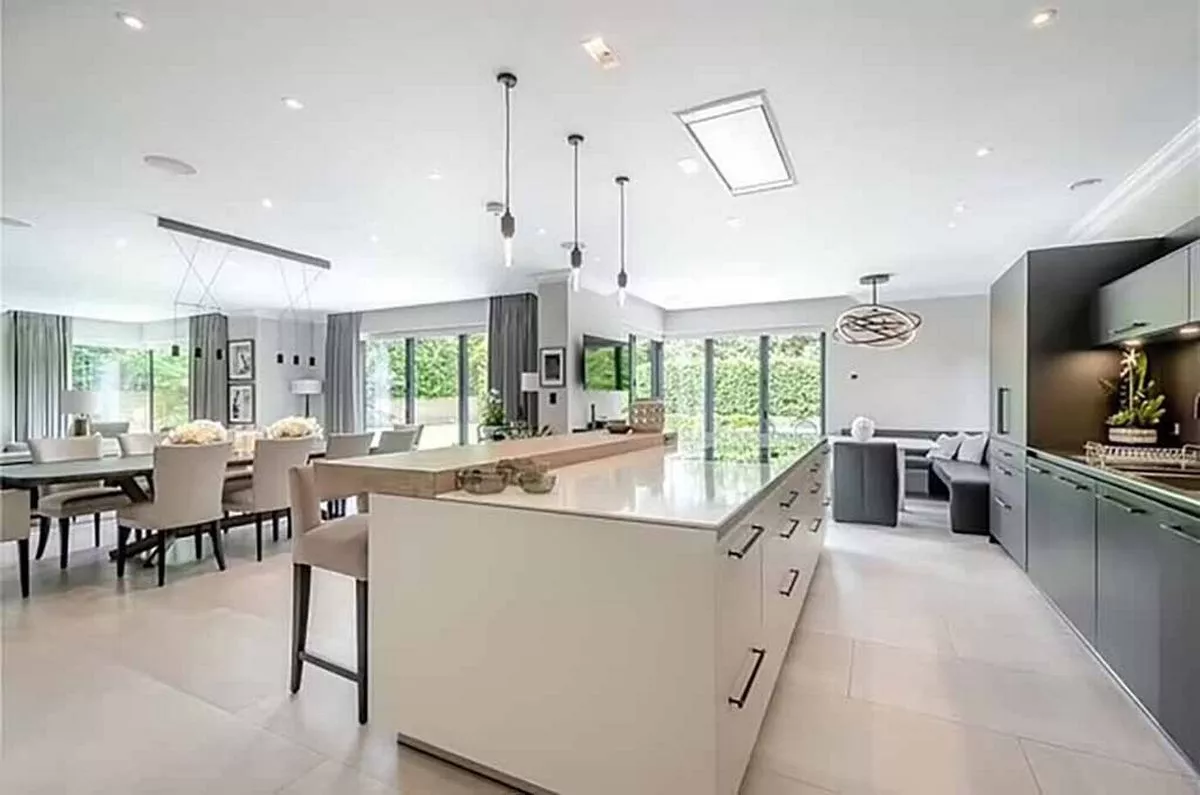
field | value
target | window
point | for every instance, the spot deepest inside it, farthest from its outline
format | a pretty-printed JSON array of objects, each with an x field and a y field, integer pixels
[
  {"x": 436, "y": 374},
  {"x": 385, "y": 392},
  {"x": 121, "y": 379},
  {"x": 736, "y": 390},
  {"x": 477, "y": 382},
  {"x": 643, "y": 352},
  {"x": 683, "y": 367},
  {"x": 169, "y": 388},
  {"x": 795, "y": 388}
]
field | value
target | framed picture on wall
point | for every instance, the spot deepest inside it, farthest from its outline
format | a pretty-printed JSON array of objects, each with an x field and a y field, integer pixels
[
  {"x": 241, "y": 360},
  {"x": 552, "y": 367},
  {"x": 241, "y": 404}
]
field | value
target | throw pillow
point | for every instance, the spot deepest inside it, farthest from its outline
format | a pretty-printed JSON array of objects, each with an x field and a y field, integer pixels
[
  {"x": 972, "y": 447},
  {"x": 945, "y": 446}
]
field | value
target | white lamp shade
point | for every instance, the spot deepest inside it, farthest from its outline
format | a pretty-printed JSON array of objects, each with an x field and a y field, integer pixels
[
  {"x": 77, "y": 401},
  {"x": 530, "y": 382},
  {"x": 306, "y": 386}
]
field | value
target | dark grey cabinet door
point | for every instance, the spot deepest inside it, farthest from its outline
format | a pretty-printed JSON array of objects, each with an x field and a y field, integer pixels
[
  {"x": 1008, "y": 509},
  {"x": 1061, "y": 534},
  {"x": 1194, "y": 268},
  {"x": 1129, "y": 632},
  {"x": 1007, "y": 302},
  {"x": 1152, "y": 298},
  {"x": 1179, "y": 706}
]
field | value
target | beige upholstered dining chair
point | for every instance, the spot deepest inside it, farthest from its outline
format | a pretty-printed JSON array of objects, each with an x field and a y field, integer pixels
[
  {"x": 346, "y": 445},
  {"x": 338, "y": 545},
  {"x": 137, "y": 443},
  {"x": 14, "y": 526},
  {"x": 66, "y": 501},
  {"x": 400, "y": 439},
  {"x": 188, "y": 480},
  {"x": 265, "y": 492}
]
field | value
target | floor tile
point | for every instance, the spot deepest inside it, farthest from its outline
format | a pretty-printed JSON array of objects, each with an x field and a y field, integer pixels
[
  {"x": 334, "y": 778},
  {"x": 1060, "y": 771},
  {"x": 818, "y": 660},
  {"x": 761, "y": 781}
]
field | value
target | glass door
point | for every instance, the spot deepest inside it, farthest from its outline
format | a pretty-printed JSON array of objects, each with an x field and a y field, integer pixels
[
  {"x": 683, "y": 371},
  {"x": 736, "y": 372},
  {"x": 436, "y": 376}
]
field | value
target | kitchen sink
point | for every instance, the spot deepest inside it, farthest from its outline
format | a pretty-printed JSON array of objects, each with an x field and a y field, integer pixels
[{"x": 1182, "y": 481}]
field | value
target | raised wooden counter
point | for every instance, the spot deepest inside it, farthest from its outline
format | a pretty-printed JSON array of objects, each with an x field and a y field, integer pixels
[{"x": 428, "y": 473}]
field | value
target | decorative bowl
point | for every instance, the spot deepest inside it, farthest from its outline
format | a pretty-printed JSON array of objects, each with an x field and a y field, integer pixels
[
  {"x": 537, "y": 482},
  {"x": 618, "y": 426},
  {"x": 481, "y": 481}
]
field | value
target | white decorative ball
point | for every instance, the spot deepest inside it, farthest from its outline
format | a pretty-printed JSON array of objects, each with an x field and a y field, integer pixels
[{"x": 862, "y": 429}]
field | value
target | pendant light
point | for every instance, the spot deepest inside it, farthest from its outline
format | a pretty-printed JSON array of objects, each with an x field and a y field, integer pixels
[
  {"x": 876, "y": 325},
  {"x": 575, "y": 139},
  {"x": 622, "y": 276},
  {"x": 508, "y": 224}
]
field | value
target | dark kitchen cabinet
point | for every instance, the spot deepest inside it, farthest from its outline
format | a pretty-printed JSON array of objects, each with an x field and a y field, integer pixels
[
  {"x": 1007, "y": 484},
  {"x": 1007, "y": 314},
  {"x": 1061, "y": 541},
  {"x": 1153, "y": 298},
  {"x": 1129, "y": 582},
  {"x": 1178, "y": 709},
  {"x": 1194, "y": 270}
]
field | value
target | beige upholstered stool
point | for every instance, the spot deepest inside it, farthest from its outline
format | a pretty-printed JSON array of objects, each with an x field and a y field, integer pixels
[
  {"x": 14, "y": 526},
  {"x": 338, "y": 545}
]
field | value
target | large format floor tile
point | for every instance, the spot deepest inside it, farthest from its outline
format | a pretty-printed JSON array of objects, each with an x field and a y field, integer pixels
[{"x": 1060, "y": 771}]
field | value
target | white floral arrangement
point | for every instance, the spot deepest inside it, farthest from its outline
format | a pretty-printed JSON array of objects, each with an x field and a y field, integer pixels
[
  {"x": 294, "y": 428},
  {"x": 198, "y": 432}
]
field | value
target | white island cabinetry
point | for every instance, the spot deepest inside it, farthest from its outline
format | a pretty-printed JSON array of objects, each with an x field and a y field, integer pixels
[{"x": 622, "y": 634}]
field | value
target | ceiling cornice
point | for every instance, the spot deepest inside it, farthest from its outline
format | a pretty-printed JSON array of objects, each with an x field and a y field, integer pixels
[{"x": 1164, "y": 164}]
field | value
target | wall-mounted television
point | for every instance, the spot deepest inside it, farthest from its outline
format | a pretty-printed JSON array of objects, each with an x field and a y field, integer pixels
[{"x": 605, "y": 365}]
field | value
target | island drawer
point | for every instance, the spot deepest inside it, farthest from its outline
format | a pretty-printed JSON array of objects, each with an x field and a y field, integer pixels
[{"x": 739, "y": 569}]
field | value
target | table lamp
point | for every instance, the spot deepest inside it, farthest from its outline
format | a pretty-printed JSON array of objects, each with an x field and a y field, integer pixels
[
  {"x": 79, "y": 405},
  {"x": 307, "y": 387}
]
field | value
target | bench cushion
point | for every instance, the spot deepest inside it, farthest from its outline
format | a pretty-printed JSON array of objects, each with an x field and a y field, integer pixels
[{"x": 961, "y": 472}]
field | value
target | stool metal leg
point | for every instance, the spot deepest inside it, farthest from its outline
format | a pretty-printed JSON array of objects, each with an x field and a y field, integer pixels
[
  {"x": 301, "y": 591},
  {"x": 361, "y": 609}
]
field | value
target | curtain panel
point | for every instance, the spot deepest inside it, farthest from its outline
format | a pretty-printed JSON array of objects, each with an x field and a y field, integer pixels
[
  {"x": 208, "y": 392},
  {"x": 343, "y": 373},
  {"x": 513, "y": 350},
  {"x": 37, "y": 362}
]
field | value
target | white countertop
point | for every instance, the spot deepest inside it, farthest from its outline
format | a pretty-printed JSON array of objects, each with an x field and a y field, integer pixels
[{"x": 659, "y": 485}]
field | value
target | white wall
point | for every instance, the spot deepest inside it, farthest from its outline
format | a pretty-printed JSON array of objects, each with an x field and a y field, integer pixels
[
  {"x": 454, "y": 317},
  {"x": 272, "y": 381},
  {"x": 938, "y": 381},
  {"x": 554, "y": 331}
]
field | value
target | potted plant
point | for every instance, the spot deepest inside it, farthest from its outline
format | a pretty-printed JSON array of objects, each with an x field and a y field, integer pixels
[
  {"x": 1139, "y": 402},
  {"x": 493, "y": 420},
  {"x": 197, "y": 432}
]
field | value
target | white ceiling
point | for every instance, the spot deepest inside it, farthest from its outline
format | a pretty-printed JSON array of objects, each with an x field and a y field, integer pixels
[{"x": 882, "y": 105}]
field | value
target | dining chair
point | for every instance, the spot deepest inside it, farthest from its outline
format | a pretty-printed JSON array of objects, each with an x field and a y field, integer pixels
[
  {"x": 188, "y": 479},
  {"x": 109, "y": 432},
  {"x": 14, "y": 526},
  {"x": 346, "y": 445},
  {"x": 338, "y": 545},
  {"x": 400, "y": 439},
  {"x": 137, "y": 443},
  {"x": 265, "y": 492},
  {"x": 66, "y": 501}
]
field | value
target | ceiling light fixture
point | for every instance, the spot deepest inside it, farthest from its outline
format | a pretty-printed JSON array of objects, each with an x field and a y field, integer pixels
[
  {"x": 121, "y": 242},
  {"x": 131, "y": 21},
  {"x": 952, "y": 225},
  {"x": 876, "y": 325},
  {"x": 292, "y": 103},
  {"x": 574, "y": 140},
  {"x": 170, "y": 165},
  {"x": 689, "y": 166},
  {"x": 434, "y": 176},
  {"x": 14, "y": 223},
  {"x": 622, "y": 276},
  {"x": 960, "y": 208},
  {"x": 735, "y": 223},
  {"x": 508, "y": 224},
  {"x": 983, "y": 151},
  {"x": 268, "y": 204},
  {"x": 1088, "y": 182},
  {"x": 601, "y": 53},
  {"x": 740, "y": 139},
  {"x": 541, "y": 231},
  {"x": 1044, "y": 18},
  {"x": 374, "y": 238}
]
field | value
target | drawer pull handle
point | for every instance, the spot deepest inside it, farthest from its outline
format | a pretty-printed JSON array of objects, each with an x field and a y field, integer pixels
[
  {"x": 790, "y": 500},
  {"x": 1006, "y": 454},
  {"x": 1002, "y": 504},
  {"x": 816, "y": 487},
  {"x": 1121, "y": 505},
  {"x": 740, "y": 701},
  {"x": 791, "y": 531},
  {"x": 1032, "y": 468},
  {"x": 815, "y": 527},
  {"x": 1130, "y": 327},
  {"x": 825, "y": 502},
  {"x": 1004, "y": 471},
  {"x": 1177, "y": 530},
  {"x": 754, "y": 536},
  {"x": 1071, "y": 483},
  {"x": 791, "y": 585}
]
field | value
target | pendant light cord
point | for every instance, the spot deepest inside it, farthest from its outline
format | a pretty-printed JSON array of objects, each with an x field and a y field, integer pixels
[
  {"x": 622, "y": 227},
  {"x": 576, "y": 195},
  {"x": 507, "y": 147}
]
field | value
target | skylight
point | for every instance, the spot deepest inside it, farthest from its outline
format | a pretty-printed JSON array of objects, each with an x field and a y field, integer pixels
[{"x": 741, "y": 141}]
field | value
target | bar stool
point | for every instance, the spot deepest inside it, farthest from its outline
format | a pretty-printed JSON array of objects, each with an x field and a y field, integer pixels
[
  {"x": 14, "y": 526},
  {"x": 338, "y": 545},
  {"x": 346, "y": 445}
]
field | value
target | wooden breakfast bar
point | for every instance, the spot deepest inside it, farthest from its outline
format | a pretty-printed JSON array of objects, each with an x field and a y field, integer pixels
[{"x": 620, "y": 634}]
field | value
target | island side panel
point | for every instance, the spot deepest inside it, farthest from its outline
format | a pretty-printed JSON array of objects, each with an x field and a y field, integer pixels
[{"x": 570, "y": 652}]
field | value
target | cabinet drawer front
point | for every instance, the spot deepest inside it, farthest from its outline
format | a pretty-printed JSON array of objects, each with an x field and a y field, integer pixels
[
  {"x": 741, "y": 710},
  {"x": 739, "y": 597},
  {"x": 1007, "y": 453},
  {"x": 1008, "y": 481},
  {"x": 1008, "y": 525}
]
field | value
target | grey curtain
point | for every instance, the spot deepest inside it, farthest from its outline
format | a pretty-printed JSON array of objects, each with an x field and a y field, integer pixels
[
  {"x": 208, "y": 388},
  {"x": 343, "y": 373},
  {"x": 512, "y": 350},
  {"x": 37, "y": 348}
]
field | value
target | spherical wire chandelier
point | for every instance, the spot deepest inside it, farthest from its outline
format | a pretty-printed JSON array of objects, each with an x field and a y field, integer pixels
[{"x": 876, "y": 325}]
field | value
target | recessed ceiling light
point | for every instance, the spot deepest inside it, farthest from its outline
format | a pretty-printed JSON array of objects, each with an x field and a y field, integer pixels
[
  {"x": 739, "y": 137},
  {"x": 122, "y": 242},
  {"x": 170, "y": 165},
  {"x": 1089, "y": 182},
  {"x": 374, "y": 238},
  {"x": 267, "y": 203},
  {"x": 960, "y": 208},
  {"x": 131, "y": 21},
  {"x": 689, "y": 166},
  {"x": 983, "y": 151},
  {"x": 541, "y": 232},
  {"x": 952, "y": 225},
  {"x": 434, "y": 176},
  {"x": 15, "y": 223},
  {"x": 1044, "y": 17},
  {"x": 601, "y": 53},
  {"x": 293, "y": 103},
  {"x": 735, "y": 222}
]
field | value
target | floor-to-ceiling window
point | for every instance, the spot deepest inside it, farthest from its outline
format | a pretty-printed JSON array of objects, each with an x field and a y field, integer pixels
[
  {"x": 385, "y": 384},
  {"x": 643, "y": 378},
  {"x": 169, "y": 388},
  {"x": 148, "y": 388},
  {"x": 795, "y": 387},
  {"x": 736, "y": 372},
  {"x": 477, "y": 382},
  {"x": 436, "y": 374},
  {"x": 683, "y": 373}
]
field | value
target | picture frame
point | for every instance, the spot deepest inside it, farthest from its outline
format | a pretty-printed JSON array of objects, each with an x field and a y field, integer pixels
[
  {"x": 241, "y": 404},
  {"x": 241, "y": 360},
  {"x": 552, "y": 367}
]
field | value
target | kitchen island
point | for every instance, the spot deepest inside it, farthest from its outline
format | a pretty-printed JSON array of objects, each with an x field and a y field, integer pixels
[{"x": 621, "y": 634}]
